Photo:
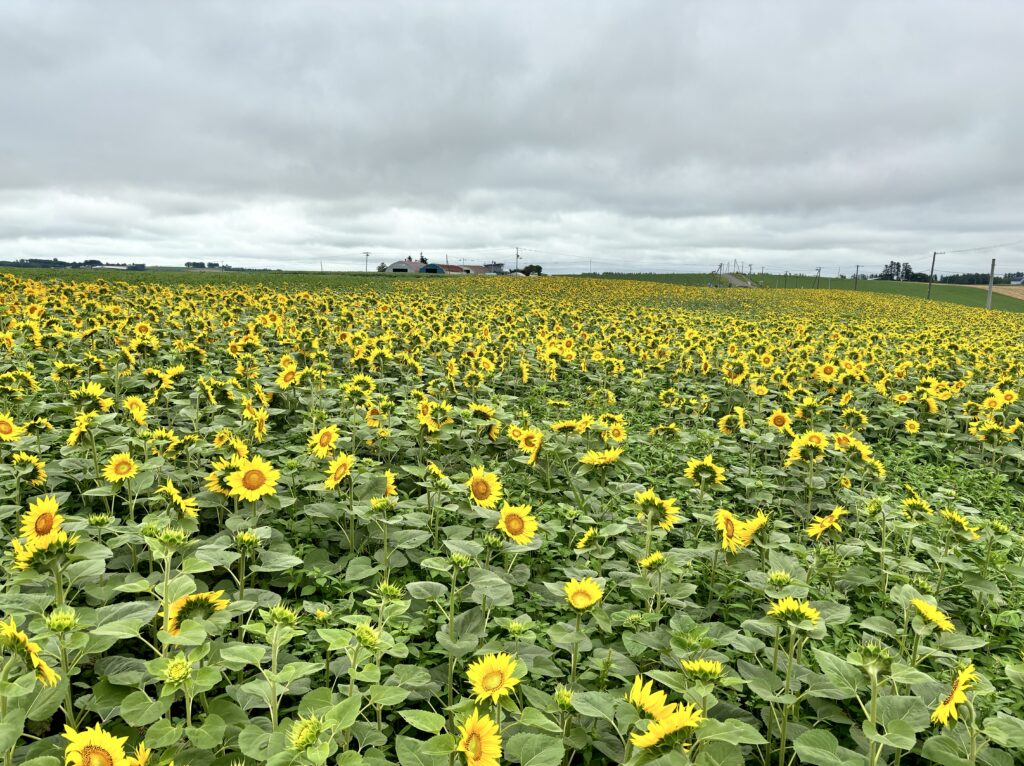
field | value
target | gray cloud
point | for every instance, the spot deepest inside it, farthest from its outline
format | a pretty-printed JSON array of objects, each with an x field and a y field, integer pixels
[{"x": 650, "y": 135}]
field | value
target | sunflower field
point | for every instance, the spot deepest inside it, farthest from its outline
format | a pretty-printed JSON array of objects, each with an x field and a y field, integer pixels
[{"x": 497, "y": 521}]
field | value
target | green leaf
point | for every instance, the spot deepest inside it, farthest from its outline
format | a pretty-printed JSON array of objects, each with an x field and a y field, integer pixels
[
  {"x": 11, "y": 729},
  {"x": 424, "y": 720},
  {"x": 163, "y": 733},
  {"x": 209, "y": 735},
  {"x": 820, "y": 748},
  {"x": 1005, "y": 730},
  {"x": 427, "y": 591},
  {"x": 731, "y": 730},
  {"x": 139, "y": 709},
  {"x": 945, "y": 751},
  {"x": 485, "y": 584},
  {"x": 344, "y": 714},
  {"x": 535, "y": 750},
  {"x": 387, "y": 695},
  {"x": 119, "y": 621},
  {"x": 276, "y": 561},
  {"x": 433, "y": 752},
  {"x": 237, "y": 656},
  {"x": 595, "y": 705},
  {"x": 533, "y": 718},
  {"x": 840, "y": 672},
  {"x": 719, "y": 754}
]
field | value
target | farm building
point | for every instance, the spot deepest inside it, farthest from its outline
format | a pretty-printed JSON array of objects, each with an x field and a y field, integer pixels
[{"x": 408, "y": 266}]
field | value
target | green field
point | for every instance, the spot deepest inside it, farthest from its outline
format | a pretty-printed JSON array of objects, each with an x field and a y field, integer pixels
[{"x": 961, "y": 294}]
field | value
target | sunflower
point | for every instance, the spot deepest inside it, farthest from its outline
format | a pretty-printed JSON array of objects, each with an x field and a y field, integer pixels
[
  {"x": 9, "y": 430},
  {"x": 492, "y": 676},
  {"x": 141, "y": 756},
  {"x": 960, "y": 521},
  {"x": 821, "y": 524},
  {"x": 38, "y": 476},
  {"x": 946, "y": 708},
  {"x": 42, "y": 522},
  {"x": 809, "y": 447},
  {"x": 288, "y": 376},
  {"x": 584, "y": 541},
  {"x": 479, "y": 740},
  {"x": 94, "y": 747},
  {"x": 789, "y": 608},
  {"x": 390, "y": 489},
  {"x": 704, "y": 471},
  {"x": 733, "y": 531},
  {"x": 120, "y": 467},
  {"x": 780, "y": 421},
  {"x": 252, "y": 479},
  {"x": 484, "y": 487},
  {"x": 733, "y": 421},
  {"x": 187, "y": 607},
  {"x": 604, "y": 457},
  {"x": 583, "y": 594},
  {"x": 517, "y": 522},
  {"x": 339, "y": 469},
  {"x": 707, "y": 670},
  {"x": 911, "y": 426},
  {"x": 615, "y": 432},
  {"x": 19, "y": 643},
  {"x": 680, "y": 717},
  {"x": 653, "y": 703},
  {"x": 529, "y": 443},
  {"x": 322, "y": 442},
  {"x": 481, "y": 411},
  {"x": 934, "y": 615},
  {"x": 137, "y": 408},
  {"x": 654, "y": 561}
]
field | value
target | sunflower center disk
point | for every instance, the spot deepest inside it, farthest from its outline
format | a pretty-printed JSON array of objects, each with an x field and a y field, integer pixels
[{"x": 253, "y": 479}]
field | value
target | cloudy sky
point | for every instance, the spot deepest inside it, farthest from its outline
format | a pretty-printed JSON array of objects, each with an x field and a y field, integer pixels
[{"x": 660, "y": 136}]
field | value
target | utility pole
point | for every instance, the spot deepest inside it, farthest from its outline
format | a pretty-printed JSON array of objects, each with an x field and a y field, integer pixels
[
  {"x": 785, "y": 279},
  {"x": 817, "y": 277},
  {"x": 517, "y": 259},
  {"x": 856, "y": 278},
  {"x": 321, "y": 265},
  {"x": 991, "y": 279},
  {"x": 367, "y": 254},
  {"x": 931, "y": 274}
]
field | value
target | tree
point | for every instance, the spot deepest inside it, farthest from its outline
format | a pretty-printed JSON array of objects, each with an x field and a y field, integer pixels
[
  {"x": 382, "y": 266},
  {"x": 532, "y": 269},
  {"x": 892, "y": 271}
]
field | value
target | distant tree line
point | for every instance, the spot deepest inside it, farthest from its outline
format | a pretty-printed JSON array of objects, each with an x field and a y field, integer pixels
[
  {"x": 54, "y": 263},
  {"x": 903, "y": 272}
]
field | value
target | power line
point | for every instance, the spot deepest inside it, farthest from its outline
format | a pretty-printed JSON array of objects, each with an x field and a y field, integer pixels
[{"x": 979, "y": 249}]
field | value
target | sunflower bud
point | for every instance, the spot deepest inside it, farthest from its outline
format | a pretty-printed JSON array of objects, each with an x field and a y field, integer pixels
[
  {"x": 461, "y": 560},
  {"x": 304, "y": 733},
  {"x": 367, "y": 636},
  {"x": 281, "y": 615},
  {"x": 99, "y": 519},
  {"x": 246, "y": 540},
  {"x": 62, "y": 620},
  {"x": 178, "y": 670},
  {"x": 563, "y": 697},
  {"x": 389, "y": 592},
  {"x": 383, "y": 504}
]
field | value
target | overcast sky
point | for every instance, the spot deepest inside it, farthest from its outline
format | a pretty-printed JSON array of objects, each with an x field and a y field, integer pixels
[{"x": 661, "y": 136}]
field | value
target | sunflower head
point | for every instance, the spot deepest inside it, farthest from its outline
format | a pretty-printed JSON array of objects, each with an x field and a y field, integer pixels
[{"x": 583, "y": 594}]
